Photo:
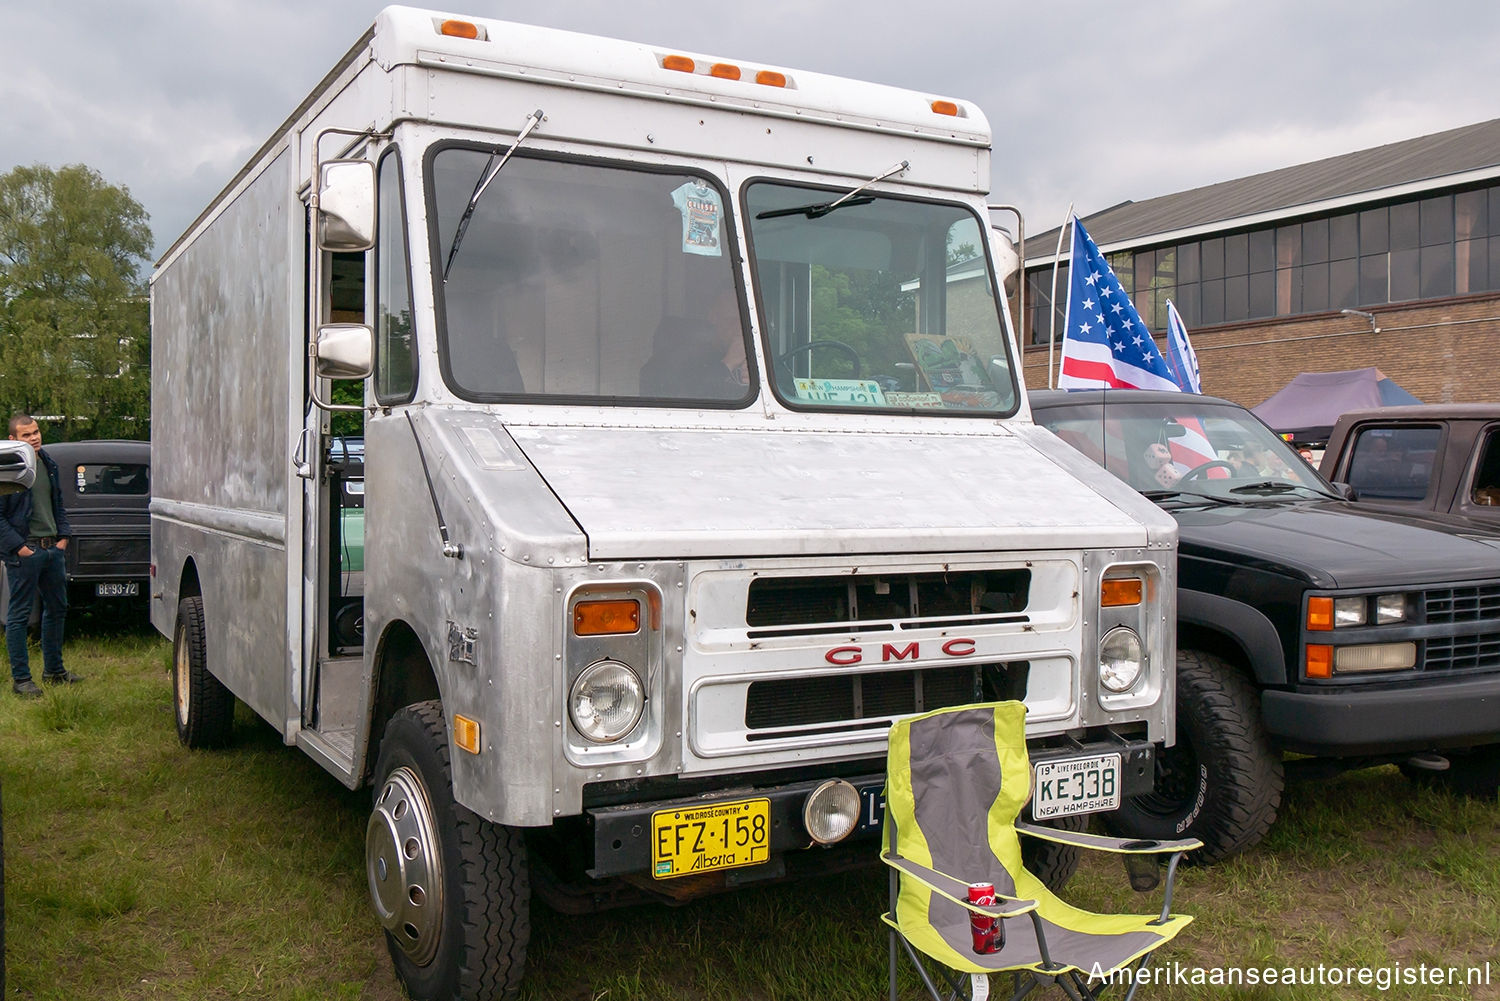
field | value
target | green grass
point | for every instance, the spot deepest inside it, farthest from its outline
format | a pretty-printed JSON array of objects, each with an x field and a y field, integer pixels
[{"x": 137, "y": 869}]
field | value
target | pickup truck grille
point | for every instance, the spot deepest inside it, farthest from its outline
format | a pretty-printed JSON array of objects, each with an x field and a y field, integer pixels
[
  {"x": 1463, "y": 653},
  {"x": 1462, "y": 604},
  {"x": 797, "y": 704}
]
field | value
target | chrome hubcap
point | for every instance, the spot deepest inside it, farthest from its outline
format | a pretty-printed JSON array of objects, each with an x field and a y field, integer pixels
[{"x": 404, "y": 867}]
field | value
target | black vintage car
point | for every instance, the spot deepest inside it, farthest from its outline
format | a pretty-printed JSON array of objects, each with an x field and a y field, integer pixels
[
  {"x": 106, "y": 488},
  {"x": 1305, "y": 622}
]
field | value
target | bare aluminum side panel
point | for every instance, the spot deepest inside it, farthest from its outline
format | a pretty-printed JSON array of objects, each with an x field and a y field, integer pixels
[
  {"x": 221, "y": 317},
  {"x": 684, "y": 494}
]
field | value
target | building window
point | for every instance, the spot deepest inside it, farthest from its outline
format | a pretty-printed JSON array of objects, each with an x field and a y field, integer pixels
[{"x": 1423, "y": 248}]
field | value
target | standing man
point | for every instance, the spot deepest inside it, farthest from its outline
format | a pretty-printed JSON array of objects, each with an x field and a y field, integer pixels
[{"x": 34, "y": 533}]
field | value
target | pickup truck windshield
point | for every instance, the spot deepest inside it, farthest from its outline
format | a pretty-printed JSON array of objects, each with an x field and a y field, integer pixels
[
  {"x": 1185, "y": 449},
  {"x": 885, "y": 304},
  {"x": 586, "y": 282}
]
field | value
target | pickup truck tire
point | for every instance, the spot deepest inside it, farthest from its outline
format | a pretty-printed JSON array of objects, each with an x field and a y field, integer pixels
[
  {"x": 451, "y": 889},
  {"x": 1050, "y": 862},
  {"x": 1221, "y": 782},
  {"x": 1473, "y": 774},
  {"x": 204, "y": 707}
]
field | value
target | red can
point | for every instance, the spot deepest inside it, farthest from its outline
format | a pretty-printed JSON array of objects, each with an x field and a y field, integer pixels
[{"x": 987, "y": 932}]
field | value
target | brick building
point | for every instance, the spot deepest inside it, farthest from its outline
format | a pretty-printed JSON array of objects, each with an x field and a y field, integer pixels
[{"x": 1387, "y": 257}]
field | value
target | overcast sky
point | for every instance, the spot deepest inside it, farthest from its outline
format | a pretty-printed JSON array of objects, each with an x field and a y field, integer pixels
[{"x": 1092, "y": 103}]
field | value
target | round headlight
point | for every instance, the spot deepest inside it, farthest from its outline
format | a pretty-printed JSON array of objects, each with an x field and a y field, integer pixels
[
  {"x": 831, "y": 811},
  {"x": 1120, "y": 659},
  {"x": 606, "y": 701}
]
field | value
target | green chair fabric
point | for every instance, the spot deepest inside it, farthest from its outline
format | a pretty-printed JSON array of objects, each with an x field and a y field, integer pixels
[{"x": 956, "y": 782}]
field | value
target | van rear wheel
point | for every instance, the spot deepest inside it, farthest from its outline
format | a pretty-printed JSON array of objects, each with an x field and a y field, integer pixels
[
  {"x": 205, "y": 708},
  {"x": 451, "y": 889}
]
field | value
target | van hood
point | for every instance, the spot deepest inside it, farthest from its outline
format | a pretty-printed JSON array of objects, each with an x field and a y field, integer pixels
[{"x": 692, "y": 493}]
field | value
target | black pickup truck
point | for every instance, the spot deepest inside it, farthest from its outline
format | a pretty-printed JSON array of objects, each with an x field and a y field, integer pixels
[{"x": 1306, "y": 622}]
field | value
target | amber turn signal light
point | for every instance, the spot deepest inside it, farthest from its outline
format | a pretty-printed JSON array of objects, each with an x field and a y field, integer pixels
[
  {"x": 613, "y": 617},
  {"x": 1121, "y": 591},
  {"x": 1320, "y": 614},
  {"x": 1319, "y": 660},
  {"x": 466, "y": 733}
]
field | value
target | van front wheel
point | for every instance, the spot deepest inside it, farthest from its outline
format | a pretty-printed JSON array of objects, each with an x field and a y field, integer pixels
[
  {"x": 204, "y": 707},
  {"x": 451, "y": 889}
]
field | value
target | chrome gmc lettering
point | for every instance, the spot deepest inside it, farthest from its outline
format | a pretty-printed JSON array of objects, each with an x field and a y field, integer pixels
[{"x": 843, "y": 656}]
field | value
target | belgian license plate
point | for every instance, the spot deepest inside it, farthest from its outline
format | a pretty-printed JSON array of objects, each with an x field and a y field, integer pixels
[
  {"x": 127, "y": 589},
  {"x": 698, "y": 839},
  {"x": 1077, "y": 785}
]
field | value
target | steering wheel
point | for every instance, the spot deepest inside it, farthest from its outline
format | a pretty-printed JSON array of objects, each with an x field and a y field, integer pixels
[
  {"x": 1204, "y": 467},
  {"x": 784, "y": 361}
]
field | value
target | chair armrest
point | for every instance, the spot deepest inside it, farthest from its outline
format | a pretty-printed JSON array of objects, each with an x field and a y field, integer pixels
[
  {"x": 948, "y": 887},
  {"x": 1099, "y": 842}
]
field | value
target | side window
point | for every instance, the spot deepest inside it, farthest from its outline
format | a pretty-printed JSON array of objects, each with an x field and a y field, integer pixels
[
  {"x": 1486, "y": 488},
  {"x": 1394, "y": 463},
  {"x": 395, "y": 343}
]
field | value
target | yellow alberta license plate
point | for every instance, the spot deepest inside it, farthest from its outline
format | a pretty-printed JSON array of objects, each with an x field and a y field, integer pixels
[{"x": 698, "y": 839}]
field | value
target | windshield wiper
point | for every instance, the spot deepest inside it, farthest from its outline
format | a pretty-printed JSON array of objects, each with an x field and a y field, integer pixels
[
  {"x": 820, "y": 209},
  {"x": 485, "y": 177},
  {"x": 1267, "y": 487}
]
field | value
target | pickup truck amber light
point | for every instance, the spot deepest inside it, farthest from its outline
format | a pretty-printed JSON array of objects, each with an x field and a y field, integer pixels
[
  {"x": 1121, "y": 591},
  {"x": 612, "y": 617},
  {"x": 1319, "y": 660},
  {"x": 1320, "y": 615}
]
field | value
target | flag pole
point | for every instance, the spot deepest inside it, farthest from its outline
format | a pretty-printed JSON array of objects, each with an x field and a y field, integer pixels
[{"x": 1052, "y": 301}]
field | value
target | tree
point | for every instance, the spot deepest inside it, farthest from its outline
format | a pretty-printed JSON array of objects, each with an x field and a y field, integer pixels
[{"x": 75, "y": 348}]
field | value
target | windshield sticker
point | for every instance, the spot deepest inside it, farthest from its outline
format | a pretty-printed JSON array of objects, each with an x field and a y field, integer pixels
[
  {"x": 851, "y": 392},
  {"x": 702, "y": 218},
  {"x": 952, "y": 368},
  {"x": 915, "y": 401}
]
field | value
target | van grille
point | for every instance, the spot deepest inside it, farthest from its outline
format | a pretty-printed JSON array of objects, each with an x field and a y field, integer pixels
[
  {"x": 878, "y": 696},
  {"x": 885, "y": 601}
]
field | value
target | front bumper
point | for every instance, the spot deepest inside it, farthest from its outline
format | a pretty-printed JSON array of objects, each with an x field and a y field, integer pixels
[
  {"x": 622, "y": 834},
  {"x": 1350, "y": 722}
]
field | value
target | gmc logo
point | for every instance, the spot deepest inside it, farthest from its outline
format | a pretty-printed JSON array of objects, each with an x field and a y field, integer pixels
[{"x": 843, "y": 656}]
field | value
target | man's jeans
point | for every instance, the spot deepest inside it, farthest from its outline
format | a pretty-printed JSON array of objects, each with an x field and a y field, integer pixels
[{"x": 45, "y": 571}]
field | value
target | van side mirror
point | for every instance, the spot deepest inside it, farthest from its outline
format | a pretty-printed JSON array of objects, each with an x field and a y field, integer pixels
[
  {"x": 344, "y": 351},
  {"x": 346, "y": 205},
  {"x": 17, "y": 467}
]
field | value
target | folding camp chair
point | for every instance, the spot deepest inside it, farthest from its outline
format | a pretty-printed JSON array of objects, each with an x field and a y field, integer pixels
[{"x": 956, "y": 782}]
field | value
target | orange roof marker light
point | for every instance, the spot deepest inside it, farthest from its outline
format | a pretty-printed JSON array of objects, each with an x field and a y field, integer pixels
[
  {"x": 771, "y": 78},
  {"x": 945, "y": 108},
  {"x": 724, "y": 71},
  {"x": 462, "y": 29},
  {"x": 681, "y": 64}
]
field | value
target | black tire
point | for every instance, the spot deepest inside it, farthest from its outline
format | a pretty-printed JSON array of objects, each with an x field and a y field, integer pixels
[
  {"x": 1052, "y": 863},
  {"x": 204, "y": 707},
  {"x": 1221, "y": 782},
  {"x": 1472, "y": 774},
  {"x": 451, "y": 889}
]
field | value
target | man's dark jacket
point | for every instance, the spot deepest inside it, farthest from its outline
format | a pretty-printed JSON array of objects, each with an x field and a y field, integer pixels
[{"x": 15, "y": 512}]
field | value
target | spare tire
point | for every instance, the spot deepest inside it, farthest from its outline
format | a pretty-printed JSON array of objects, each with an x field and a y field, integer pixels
[{"x": 1221, "y": 782}]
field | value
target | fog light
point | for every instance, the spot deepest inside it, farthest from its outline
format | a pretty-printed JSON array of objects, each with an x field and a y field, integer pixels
[
  {"x": 1390, "y": 608},
  {"x": 1374, "y": 657},
  {"x": 1349, "y": 612},
  {"x": 606, "y": 701},
  {"x": 831, "y": 811},
  {"x": 1120, "y": 658}
]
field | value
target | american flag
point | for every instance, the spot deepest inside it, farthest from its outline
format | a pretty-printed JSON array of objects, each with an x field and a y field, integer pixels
[{"x": 1105, "y": 342}]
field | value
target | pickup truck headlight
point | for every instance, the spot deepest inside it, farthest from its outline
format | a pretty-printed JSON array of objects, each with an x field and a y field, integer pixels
[
  {"x": 1349, "y": 612},
  {"x": 1121, "y": 657},
  {"x": 606, "y": 701}
]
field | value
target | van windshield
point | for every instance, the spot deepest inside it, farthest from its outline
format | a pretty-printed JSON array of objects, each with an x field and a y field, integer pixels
[
  {"x": 587, "y": 282},
  {"x": 880, "y": 303}
]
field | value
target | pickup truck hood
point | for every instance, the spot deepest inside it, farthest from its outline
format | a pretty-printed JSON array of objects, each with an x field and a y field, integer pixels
[
  {"x": 1340, "y": 544},
  {"x": 690, "y": 493}
]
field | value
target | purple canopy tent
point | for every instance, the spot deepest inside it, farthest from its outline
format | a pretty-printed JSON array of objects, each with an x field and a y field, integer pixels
[{"x": 1308, "y": 406}]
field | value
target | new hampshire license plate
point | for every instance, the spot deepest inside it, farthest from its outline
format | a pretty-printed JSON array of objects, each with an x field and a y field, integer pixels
[
  {"x": 698, "y": 839},
  {"x": 1078, "y": 785}
]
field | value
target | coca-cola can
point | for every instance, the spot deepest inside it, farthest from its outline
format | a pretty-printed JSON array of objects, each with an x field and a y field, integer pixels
[{"x": 985, "y": 929}]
